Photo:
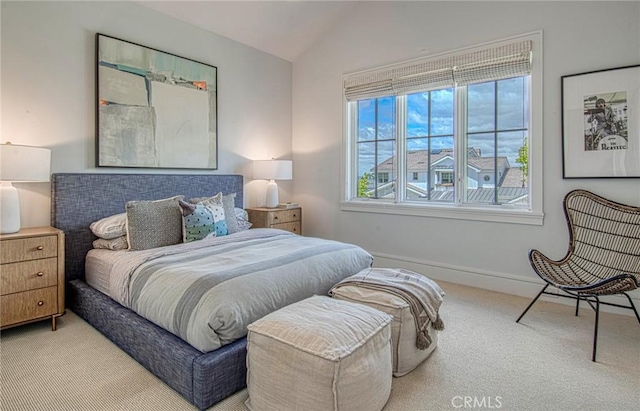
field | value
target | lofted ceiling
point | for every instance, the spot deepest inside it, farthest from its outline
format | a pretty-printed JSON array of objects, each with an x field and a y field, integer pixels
[{"x": 282, "y": 28}]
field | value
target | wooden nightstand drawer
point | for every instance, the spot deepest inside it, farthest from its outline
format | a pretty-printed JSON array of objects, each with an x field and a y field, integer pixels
[
  {"x": 28, "y": 275},
  {"x": 283, "y": 219},
  {"x": 28, "y": 305},
  {"x": 24, "y": 249},
  {"x": 283, "y": 216},
  {"x": 294, "y": 227}
]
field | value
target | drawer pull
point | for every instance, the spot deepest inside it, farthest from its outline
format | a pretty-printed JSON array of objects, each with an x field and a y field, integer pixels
[
  {"x": 40, "y": 274},
  {"x": 275, "y": 218},
  {"x": 39, "y": 248},
  {"x": 294, "y": 216},
  {"x": 40, "y": 303}
]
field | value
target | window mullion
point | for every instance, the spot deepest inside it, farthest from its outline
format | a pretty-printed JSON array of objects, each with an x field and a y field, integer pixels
[
  {"x": 495, "y": 142},
  {"x": 460, "y": 145},
  {"x": 351, "y": 191},
  {"x": 401, "y": 148},
  {"x": 376, "y": 172}
]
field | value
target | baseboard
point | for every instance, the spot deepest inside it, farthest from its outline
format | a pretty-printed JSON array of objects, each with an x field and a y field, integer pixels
[{"x": 494, "y": 281}]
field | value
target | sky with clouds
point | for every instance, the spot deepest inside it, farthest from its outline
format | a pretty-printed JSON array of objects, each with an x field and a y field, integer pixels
[{"x": 491, "y": 106}]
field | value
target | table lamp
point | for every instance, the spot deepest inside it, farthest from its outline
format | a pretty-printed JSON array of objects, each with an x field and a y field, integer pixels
[
  {"x": 19, "y": 164},
  {"x": 272, "y": 170}
]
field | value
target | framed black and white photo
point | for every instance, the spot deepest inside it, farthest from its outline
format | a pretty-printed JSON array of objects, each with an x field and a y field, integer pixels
[
  {"x": 600, "y": 123},
  {"x": 154, "y": 109}
]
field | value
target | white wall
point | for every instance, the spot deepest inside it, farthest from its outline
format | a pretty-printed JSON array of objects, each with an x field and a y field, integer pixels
[
  {"x": 577, "y": 37},
  {"x": 48, "y": 99},
  {"x": 48, "y": 66}
]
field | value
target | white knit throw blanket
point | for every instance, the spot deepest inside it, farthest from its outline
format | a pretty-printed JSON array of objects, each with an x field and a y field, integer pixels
[{"x": 422, "y": 294}]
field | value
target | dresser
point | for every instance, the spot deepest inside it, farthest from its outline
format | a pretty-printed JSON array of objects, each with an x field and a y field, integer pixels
[
  {"x": 285, "y": 219},
  {"x": 32, "y": 276}
]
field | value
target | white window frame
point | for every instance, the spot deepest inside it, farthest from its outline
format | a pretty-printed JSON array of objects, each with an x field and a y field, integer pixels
[
  {"x": 442, "y": 178},
  {"x": 505, "y": 213}
]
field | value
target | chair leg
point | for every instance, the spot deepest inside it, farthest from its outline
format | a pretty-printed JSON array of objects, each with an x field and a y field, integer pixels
[
  {"x": 577, "y": 305},
  {"x": 532, "y": 302},
  {"x": 595, "y": 332},
  {"x": 633, "y": 307}
]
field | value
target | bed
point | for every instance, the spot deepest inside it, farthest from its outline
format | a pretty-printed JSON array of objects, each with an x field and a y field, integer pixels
[{"x": 204, "y": 376}]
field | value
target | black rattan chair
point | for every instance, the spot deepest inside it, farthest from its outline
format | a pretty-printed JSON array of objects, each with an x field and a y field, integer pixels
[{"x": 603, "y": 257}]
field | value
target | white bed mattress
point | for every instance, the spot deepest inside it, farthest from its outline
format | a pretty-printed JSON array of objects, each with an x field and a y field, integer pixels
[{"x": 98, "y": 267}]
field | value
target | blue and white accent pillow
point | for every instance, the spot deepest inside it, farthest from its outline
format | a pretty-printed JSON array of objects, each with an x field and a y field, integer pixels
[{"x": 202, "y": 220}]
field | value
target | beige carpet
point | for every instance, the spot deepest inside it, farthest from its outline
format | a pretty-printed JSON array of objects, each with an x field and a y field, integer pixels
[{"x": 484, "y": 361}]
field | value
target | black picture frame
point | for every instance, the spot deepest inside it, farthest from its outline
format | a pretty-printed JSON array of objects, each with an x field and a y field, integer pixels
[{"x": 601, "y": 123}]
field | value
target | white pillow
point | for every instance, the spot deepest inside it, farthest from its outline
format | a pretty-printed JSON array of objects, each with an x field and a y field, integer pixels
[
  {"x": 110, "y": 227},
  {"x": 119, "y": 243},
  {"x": 242, "y": 219}
]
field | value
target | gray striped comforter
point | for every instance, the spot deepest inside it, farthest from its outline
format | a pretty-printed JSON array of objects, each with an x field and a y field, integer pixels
[{"x": 207, "y": 292}]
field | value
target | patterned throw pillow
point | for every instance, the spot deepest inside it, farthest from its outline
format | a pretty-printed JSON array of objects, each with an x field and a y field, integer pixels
[
  {"x": 228, "y": 203},
  {"x": 152, "y": 224},
  {"x": 202, "y": 220},
  {"x": 216, "y": 199}
]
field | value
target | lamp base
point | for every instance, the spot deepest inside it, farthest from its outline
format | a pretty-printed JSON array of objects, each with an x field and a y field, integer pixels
[
  {"x": 9, "y": 209},
  {"x": 272, "y": 194}
]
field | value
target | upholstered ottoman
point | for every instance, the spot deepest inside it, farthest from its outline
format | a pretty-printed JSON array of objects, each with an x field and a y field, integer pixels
[
  {"x": 405, "y": 296},
  {"x": 319, "y": 354}
]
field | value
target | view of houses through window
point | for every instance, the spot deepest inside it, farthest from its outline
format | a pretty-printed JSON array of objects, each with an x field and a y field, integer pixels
[{"x": 490, "y": 121}]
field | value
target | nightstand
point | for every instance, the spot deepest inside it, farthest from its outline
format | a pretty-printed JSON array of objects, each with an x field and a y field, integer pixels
[
  {"x": 288, "y": 219},
  {"x": 31, "y": 276}
]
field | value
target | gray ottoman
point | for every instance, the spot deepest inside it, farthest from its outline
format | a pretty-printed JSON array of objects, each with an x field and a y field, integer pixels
[
  {"x": 319, "y": 354},
  {"x": 375, "y": 287}
]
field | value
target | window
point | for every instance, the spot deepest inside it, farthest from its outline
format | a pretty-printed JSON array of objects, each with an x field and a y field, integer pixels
[
  {"x": 446, "y": 177},
  {"x": 456, "y": 136}
]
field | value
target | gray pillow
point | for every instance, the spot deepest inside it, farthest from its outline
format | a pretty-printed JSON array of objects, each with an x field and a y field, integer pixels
[
  {"x": 229, "y": 203},
  {"x": 152, "y": 224}
]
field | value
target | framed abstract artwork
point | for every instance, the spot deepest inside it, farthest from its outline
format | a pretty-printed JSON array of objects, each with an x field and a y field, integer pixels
[
  {"x": 154, "y": 109},
  {"x": 601, "y": 123}
]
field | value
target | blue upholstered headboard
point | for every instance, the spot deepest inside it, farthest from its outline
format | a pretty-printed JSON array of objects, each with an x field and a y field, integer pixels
[{"x": 77, "y": 200}]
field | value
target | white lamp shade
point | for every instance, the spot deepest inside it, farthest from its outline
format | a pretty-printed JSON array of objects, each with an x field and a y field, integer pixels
[
  {"x": 273, "y": 170},
  {"x": 24, "y": 163}
]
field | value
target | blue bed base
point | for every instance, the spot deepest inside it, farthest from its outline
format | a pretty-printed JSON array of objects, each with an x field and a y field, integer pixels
[{"x": 77, "y": 200}]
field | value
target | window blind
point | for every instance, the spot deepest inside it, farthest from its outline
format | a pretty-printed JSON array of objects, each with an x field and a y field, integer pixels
[
  {"x": 510, "y": 60},
  {"x": 493, "y": 63}
]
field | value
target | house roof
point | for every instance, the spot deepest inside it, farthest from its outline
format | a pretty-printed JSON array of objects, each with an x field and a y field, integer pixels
[
  {"x": 417, "y": 160},
  {"x": 475, "y": 195},
  {"x": 484, "y": 195},
  {"x": 488, "y": 163},
  {"x": 513, "y": 178}
]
